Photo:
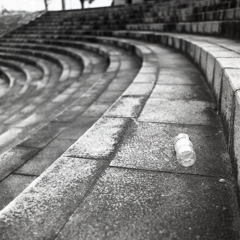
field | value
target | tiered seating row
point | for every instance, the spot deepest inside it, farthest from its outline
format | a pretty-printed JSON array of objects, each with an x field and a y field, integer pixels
[
  {"x": 218, "y": 27},
  {"x": 193, "y": 8},
  {"x": 106, "y": 132},
  {"x": 82, "y": 96},
  {"x": 219, "y": 18}
]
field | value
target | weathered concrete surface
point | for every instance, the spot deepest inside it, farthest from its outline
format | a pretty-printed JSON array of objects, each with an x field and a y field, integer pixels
[
  {"x": 71, "y": 114},
  {"x": 230, "y": 85},
  {"x": 45, "y": 135},
  {"x": 145, "y": 78},
  {"x": 236, "y": 133},
  {"x": 126, "y": 106},
  {"x": 189, "y": 92},
  {"x": 182, "y": 76},
  {"x": 154, "y": 198},
  {"x": 150, "y": 146},
  {"x": 14, "y": 158},
  {"x": 100, "y": 140},
  {"x": 178, "y": 111},
  {"x": 12, "y": 186},
  {"x": 53, "y": 139},
  {"x": 110, "y": 96},
  {"x": 36, "y": 214},
  {"x": 139, "y": 89},
  {"x": 43, "y": 159},
  {"x": 221, "y": 64},
  {"x": 211, "y": 61},
  {"x": 130, "y": 204}
]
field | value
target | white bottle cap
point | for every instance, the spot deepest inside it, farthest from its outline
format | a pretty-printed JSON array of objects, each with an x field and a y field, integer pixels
[{"x": 179, "y": 136}]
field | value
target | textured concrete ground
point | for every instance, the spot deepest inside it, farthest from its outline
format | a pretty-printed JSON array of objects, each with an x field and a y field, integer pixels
[
  {"x": 121, "y": 180},
  {"x": 145, "y": 193}
]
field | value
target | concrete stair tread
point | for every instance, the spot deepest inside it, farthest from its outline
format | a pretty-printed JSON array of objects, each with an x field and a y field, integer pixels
[
  {"x": 42, "y": 67},
  {"x": 60, "y": 59},
  {"x": 14, "y": 97},
  {"x": 120, "y": 177},
  {"x": 82, "y": 156},
  {"x": 46, "y": 96},
  {"x": 91, "y": 113}
]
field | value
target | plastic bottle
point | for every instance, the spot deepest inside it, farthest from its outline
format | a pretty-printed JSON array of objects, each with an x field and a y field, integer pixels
[{"x": 186, "y": 155}]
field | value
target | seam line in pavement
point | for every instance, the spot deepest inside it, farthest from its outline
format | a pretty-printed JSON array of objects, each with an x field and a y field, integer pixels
[{"x": 170, "y": 172}]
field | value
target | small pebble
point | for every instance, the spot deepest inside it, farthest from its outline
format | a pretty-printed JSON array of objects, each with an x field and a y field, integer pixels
[{"x": 222, "y": 180}]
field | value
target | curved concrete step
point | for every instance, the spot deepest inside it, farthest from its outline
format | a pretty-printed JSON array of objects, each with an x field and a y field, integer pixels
[
  {"x": 13, "y": 97},
  {"x": 32, "y": 73},
  {"x": 100, "y": 176},
  {"x": 30, "y": 60},
  {"x": 13, "y": 74},
  {"x": 55, "y": 58},
  {"x": 18, "y": 117},
  {"x": 90, "y": 114},
  {"x": 99, "y": 86},
  {"x": 216, "y": 57},
  {"x": 6, "y": 82}
]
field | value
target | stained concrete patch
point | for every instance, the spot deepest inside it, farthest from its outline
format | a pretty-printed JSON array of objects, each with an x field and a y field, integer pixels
[
  {"x": 137, "y": 89},
  {"x": 179, "y": 111},
  {"x": 14, "y": 158},
  {"x": 185, "y": 92},
  {"x": 126, "y": 107},
  {"x": 12, "y": 186},
  {"x": 100, "y": 141},
  {"x": 150, "y": 146},
  {"x": 178, "y": 76},
  {"x": 130, "y": 204},
  {"x": 44, "y": 207}
]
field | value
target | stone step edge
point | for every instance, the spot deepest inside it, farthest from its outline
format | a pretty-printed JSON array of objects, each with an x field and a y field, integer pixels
[
  {"x": 9, "y": 78},
  {"x": 46, "y": 195}
]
